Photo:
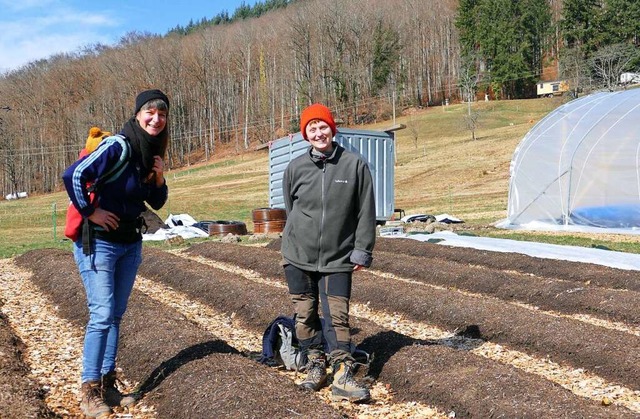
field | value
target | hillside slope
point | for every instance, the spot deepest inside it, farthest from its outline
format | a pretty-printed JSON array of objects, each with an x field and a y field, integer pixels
[{"x": 439, "y": 169}]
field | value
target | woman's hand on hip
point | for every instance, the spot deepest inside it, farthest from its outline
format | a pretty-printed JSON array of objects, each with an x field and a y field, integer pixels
[{"x": 105, "y": 219}]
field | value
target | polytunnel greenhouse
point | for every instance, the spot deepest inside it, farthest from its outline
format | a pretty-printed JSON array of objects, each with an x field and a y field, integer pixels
[{"x": 578, "y": 169}]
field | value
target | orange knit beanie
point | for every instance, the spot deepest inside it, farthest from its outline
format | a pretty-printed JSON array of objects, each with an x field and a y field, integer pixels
[{"x": 316, "y": 111}]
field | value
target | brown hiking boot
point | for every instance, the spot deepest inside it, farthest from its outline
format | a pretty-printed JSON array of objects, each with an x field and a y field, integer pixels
[
  {"x": 92, "y": 404},
  {"x": 316, "y": 373},
  {"x": 112, "y": 395},
  {"x": 344, "y": 387}
]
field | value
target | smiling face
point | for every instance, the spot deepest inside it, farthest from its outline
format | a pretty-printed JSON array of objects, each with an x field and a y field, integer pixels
[
  {"x": 319, "y": 135},
  {"x": 152, "y": 119}
]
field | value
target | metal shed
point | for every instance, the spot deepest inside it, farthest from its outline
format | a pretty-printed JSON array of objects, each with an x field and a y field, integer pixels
[{"x": 376, "y": 147}]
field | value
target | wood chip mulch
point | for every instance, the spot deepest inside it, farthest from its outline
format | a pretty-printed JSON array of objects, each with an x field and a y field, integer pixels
[{"x": 195, "y": 323}]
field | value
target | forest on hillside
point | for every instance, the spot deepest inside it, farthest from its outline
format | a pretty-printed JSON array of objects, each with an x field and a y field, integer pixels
[{"x": 242, "y": 81}]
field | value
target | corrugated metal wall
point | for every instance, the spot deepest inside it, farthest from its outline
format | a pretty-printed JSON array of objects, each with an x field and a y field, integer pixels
[{"x": 376, "y": 147}]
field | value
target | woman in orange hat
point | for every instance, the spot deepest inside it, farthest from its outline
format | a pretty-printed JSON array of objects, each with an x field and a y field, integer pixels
[{"x": 330, "y": 233}]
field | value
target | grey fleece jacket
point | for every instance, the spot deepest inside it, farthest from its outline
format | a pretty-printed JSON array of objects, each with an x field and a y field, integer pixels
[{"x": 331, "y": 212}]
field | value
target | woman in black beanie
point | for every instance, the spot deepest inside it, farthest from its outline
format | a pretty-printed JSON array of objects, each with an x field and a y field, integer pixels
[{"x": 108, "y": 251}]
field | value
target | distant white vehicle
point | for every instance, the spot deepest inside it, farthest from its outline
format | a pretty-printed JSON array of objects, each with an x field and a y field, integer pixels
[{"x": 629, "y": 78}]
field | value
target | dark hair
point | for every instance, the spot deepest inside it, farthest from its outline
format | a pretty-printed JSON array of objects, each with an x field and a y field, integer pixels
[{"x": 158, "y": 104}]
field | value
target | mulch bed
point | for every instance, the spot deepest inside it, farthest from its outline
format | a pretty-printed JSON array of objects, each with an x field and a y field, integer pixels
[
  {"x": 186, "y": 371},
  {"x": 564, "y": 340},
  {"x": 491, "y": 274},
  {"x": 390, "y": 295},
  {"x": 564, "y": 296},
  {"x": 183, "y": 371},
  {"x": 584, "y": 273},
  {"x": 19, "y": 395},
  {"x": 476, "y": 387}
]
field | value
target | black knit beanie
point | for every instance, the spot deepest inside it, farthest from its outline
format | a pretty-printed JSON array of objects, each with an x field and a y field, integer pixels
[{"x": 147, "y": 95}]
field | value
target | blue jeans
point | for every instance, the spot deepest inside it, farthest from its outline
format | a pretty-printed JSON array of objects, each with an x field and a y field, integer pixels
[{"x": 108, "y": 275}]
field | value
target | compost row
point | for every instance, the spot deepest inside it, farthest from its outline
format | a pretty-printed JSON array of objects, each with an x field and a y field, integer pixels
[
  {"x": 184, "y": 363},
  {"x": 559, "y": 295},
  {"x": 203, "y": 282},
  {"x": 584, "y": 273},
  {"x": 24, "y": 399},
  {"x": 238, "y": 255},
  {"x": 183, "y": 371},
  {"x": 607, "y": 353}
]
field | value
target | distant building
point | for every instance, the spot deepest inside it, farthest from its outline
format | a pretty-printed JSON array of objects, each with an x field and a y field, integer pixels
[{"x": 552, "y": 88}]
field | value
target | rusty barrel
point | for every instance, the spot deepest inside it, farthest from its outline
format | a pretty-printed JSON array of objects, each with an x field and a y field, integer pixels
[
  {"x": 222, "y": 228},
  {"x": 268, "y": 220}
]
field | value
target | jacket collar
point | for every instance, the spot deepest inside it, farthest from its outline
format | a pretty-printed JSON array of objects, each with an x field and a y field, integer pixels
[{"x": 318, "y": 159}]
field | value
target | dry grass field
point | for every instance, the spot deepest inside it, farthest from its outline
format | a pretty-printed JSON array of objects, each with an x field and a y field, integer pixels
[{"x": 439, "y": 169}]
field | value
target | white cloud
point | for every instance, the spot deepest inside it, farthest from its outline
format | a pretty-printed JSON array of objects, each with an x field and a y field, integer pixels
[
  {"x": 18, "y": 6},
  {"x": 28, "y": 34}
]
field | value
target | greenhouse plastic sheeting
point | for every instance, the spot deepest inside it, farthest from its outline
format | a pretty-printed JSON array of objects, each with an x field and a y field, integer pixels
[{"x": 578, "y": 168}]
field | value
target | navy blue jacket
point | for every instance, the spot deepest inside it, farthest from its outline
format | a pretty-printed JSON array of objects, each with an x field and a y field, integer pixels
[{"x": 124, "y": 196}]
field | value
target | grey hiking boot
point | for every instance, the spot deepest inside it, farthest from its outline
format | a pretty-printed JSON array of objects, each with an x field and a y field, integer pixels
[
  {"x": 344, "y": 387},
  {"x": 316, "y": 373},
  {"x": 92, "y": 404},
  {"x": 112, "y": 396}
]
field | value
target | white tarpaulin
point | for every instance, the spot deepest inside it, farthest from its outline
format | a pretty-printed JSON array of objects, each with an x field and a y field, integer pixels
[
  {"x": 609, "y": 258},
  {"x": 179, "y": 225}
]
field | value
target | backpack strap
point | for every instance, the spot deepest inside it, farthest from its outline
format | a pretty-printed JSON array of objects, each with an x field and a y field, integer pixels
[
  {"x": 112, "y": 174},
  {"x": 87, "y": 237},
  {"x": 116, "y": 170}
]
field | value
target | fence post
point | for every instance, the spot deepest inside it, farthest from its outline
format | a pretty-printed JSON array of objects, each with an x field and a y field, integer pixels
[{"x": 54, "y": 220}]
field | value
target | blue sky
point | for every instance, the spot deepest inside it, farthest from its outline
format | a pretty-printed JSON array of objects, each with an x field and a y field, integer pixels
[{"x": 35, "y": 29}]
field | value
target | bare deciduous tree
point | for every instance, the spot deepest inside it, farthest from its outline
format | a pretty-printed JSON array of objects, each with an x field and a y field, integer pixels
[
  {"x": 575, "y": 69},
  {"x": 468, "y": 82},
  {"x": 10, "y": 157},
  {"x": 609, "y": 62},
  {"x": 241, "y": 82}
]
